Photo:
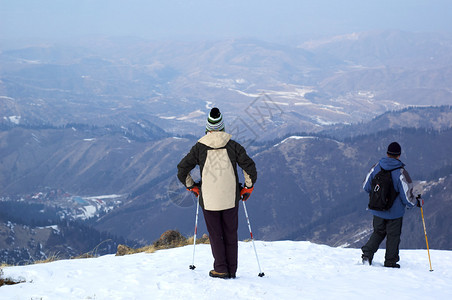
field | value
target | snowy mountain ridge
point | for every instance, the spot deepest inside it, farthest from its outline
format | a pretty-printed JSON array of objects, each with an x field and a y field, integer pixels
[{"x": 293, "y": 270}]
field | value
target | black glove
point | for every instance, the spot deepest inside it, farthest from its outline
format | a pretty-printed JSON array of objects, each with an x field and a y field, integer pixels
[{"x": 420, "y": 201}]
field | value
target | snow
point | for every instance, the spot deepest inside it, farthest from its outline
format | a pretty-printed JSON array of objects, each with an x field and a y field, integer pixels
[
  {"x": 323, "y": 122},
  {"x": 293, "y": 270},
  {"x": 246, "y": 94},
  {"x": 13, "y": 119},
  {"x": 168, "y": 118},
  {"x": 295, "y": 94},
  {"x": 112, "y": 196},
  {"x": 6, "y": 97},
  {"x": 87, "y": 212},
  {"x": 56, "y": 228},
  {"x": 192, "y": 115},
  {"x": 294, "y": 137}
]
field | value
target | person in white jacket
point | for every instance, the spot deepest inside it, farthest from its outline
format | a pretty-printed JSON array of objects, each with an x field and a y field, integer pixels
[{"x": 219, "y": 190}]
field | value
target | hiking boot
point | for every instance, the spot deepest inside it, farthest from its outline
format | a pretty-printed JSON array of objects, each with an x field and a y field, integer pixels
[
  {"x": 392, "y": 265},
  {"x": 232, "y": 275},
  {"x": 366, "y": 260},
  {"x": 216, "y": 274}
]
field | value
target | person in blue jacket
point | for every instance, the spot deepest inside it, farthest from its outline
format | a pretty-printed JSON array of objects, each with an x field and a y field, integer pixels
[{"x": 388, "y": 224}]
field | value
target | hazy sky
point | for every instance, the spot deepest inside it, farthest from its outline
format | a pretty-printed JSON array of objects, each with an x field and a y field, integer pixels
[{"x": 264, "y": 19}]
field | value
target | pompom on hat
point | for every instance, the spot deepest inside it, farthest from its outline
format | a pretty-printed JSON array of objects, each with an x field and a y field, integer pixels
[
  {"x": 394, "y": 149},
  {"x": 215, "y": 120}
]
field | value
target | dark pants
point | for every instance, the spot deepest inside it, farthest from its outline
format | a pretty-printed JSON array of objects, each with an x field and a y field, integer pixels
[
  {"x": 222, "y": 226},
  {"x": 391, "y": 229}
]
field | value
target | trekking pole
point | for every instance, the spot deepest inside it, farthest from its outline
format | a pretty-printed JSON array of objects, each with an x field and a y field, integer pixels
[
  {"x": 261, "y": 274},
  {"x": 192, "y": 266},
  {"x": 425, "y": 233}
]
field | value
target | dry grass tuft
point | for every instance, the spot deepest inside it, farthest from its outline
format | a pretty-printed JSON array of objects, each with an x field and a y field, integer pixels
[
  {"x": 84, "y": 255},
  {"x": 51, "y": 258},
  {"x": 7, "y": 281},
  {"x": 169, "y": 239},
  {"x": 202, "y": 240},
  {"x": 92, "y": 253}
]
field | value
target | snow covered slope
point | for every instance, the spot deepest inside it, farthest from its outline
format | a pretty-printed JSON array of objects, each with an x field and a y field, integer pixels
[{"x": 293, "y": 270}]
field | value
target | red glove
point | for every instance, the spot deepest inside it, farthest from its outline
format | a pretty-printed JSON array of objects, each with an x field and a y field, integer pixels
[
  {"x": 194, "y": 189},
  {"x": 245, "y": 193}
]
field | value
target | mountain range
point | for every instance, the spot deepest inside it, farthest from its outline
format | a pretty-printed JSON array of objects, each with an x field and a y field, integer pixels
[
  {"x": 309, "y": 186},
  {"x": 114, "y": 81},
  {"x": 93, "y": 131}
]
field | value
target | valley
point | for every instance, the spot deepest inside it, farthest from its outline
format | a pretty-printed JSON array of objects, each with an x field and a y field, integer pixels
[{"x": 91, "y": 133}]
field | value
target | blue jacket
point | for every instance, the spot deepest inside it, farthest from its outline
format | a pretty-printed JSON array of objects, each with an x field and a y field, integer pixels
[{"x": 402, "y": 184}]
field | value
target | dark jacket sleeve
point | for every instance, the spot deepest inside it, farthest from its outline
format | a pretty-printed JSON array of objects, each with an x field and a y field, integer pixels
[
  {"x": 246, "y": 163},
  {"x": 187, "y": 164}
]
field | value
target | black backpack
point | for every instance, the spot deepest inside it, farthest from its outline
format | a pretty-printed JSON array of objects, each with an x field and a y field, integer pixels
[{"x": 382, "y": 194}]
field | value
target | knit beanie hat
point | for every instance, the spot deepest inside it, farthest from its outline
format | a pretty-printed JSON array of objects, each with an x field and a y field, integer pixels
[
  {"x": 215, "y": 120},
  {"x": 394, "y": 149}
]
